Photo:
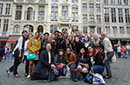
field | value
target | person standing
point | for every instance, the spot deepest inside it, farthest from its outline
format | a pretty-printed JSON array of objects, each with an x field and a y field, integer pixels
[
  {"x": 109, "y": 53},
  {"x": 119, "y": 51},
  {"x": 34, "y": 46},
  {"x": 18, "y": 53},
  {"x": 26, "y": 53}
]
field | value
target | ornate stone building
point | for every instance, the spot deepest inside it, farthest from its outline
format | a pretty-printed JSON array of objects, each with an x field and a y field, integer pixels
[{"x": 111, "y": 16}]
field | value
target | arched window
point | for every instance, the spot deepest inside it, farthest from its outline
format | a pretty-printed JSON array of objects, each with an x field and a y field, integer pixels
[
  {"x": 16, "y": 29},
  {"x": 40, "y": 29},
  {"x": 29, "y": 13},
  {"x": 29, "y": 28},
  {"x": 74, "y": 28},
  {"x": 53, "y": 28}
]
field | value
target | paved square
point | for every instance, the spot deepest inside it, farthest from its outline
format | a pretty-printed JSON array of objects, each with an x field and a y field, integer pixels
[{"x": 120, "y": 70}]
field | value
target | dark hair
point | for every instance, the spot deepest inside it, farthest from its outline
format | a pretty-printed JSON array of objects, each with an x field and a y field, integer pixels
[
  {"x": 94, "y": 51},
  {"x": 61, "y": 50},
  {"x": 84, "y": 52},
  {"x": 46, "y": 33},
  {"x": 87, "y": 36},
  {"x": 30, "y": 34},
  {"x": 24, "y": 31}
]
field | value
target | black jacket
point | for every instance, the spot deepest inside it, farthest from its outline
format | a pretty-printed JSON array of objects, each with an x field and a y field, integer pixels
[
  {"x": 98, "y": 59},
  {"x": 43, "y": 67}
]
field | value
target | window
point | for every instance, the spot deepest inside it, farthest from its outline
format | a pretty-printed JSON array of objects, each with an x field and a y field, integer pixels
[
  {"x": 54, "y": 13},
  {"x": 16, "y": 29},
  {"x": 91, "y": 7},
  {"x": 53, "y": 28},
  {"x": 120, "y": 14},
  {"x": 0, "y": 23},
  {"x": 41, "y": 13},
  {"x": 106, "y": 2},
  {"x": 99, "y": 30},
  {"x": 98, "y": 19},
  {"x": 54, "y": 0},
  {"x": 65, "y": 12},
  {"x": 91, "y": 18},
  {"x": 74, "y": 27},
  {"x": 128, "y": 30},
  {"x": 92, "y": 29},
  {"x": 85, "y": 30},
  {"x": 74, "y": 1},
  {"x": 112, "y": 2},
  {"x": 42, "y": 1},
  {"x": 114, "y": 29},
  {"x": 98, "y": 9},
  {"x": 8, "y": 8},
  {"x": 1, "y": 8},
  {"x": 84, "y": 7},
  {"x": 18, "y": 12},
  {"x": 29, "y": 13},
  {"x": 125, "y": 2},
  {"x": 85, "y": 19},
  {"x": 106, "y": 14},
  {"x": 113, "y": 14},
  {"x": 107, "y": 29},
  {"x": 29, "y": 28},
  {"x": 127, "y": 15},
  {"x": 74, "y": 14},
  {"x": 119, "y": 2},
  {"x": 122, "y": 30},
  {"x": 5, "y": 28}
]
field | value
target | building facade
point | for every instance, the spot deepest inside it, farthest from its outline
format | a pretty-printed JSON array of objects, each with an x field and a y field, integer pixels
[
  {"x": 110, "y": 16},
  {"x": 5, "y": 20}
]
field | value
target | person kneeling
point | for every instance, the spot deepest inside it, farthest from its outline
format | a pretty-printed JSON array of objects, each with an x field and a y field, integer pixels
[{"x": 44, "y": 66}]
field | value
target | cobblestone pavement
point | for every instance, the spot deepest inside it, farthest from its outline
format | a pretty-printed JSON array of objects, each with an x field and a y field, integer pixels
[{"x": 120, "y": 70}]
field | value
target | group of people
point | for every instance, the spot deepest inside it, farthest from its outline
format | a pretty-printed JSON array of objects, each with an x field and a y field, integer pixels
[
  {"x": 123, "y": 50},
  {"x": 76, "y": 52}
]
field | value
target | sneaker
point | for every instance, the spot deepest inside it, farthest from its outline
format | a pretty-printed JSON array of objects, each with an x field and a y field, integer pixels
[{"x": 28, "y": 76}]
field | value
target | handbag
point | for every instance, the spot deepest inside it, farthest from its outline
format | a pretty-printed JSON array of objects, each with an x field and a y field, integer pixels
[
  {"x": 31, "y": 56},
  {"x": 89, "y": 78},
  {"x": 53, "y": 74},
  {"x": 98, "y": 79},
  {"x": 64, "y": 71},
  {"x": 56, "y": 72},
  {"x": 113, "y": 58}
]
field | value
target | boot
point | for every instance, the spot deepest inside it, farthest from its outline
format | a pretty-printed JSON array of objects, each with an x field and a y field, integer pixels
[
  {"x": 79, "y": 75},
  {"x": 73, "y": 76}
]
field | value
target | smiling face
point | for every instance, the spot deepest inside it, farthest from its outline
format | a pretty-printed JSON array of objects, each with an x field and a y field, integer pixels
[
  {"x": 76, "y": 39},
  {"x": 25, "y": 34},
  {"x": 61, "y": 53},
  {"x": 36, "y": 35},
  {"x": 90, "y": 49},
  {"x": 82, "y": 50},
  {"x": 48, "y": 47},
  {"x": 68, "y": 50}
]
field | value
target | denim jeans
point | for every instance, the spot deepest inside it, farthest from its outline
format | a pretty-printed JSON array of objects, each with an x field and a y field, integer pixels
[
  {"x": 72, "y": 66},
  {"x": 108, "y": 62},
  {"x": 98, "y": 69}
]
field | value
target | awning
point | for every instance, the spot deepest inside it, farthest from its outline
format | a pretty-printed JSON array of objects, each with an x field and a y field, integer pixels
[
  {"x": 3, "y": 40},
  {"x": 125, "y": 39},
  {"x": 114, "y": 38},
  {"x": 12, "y": 39}
]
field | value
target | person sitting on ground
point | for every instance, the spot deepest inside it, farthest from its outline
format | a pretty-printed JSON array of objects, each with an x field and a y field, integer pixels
[
  {"x": 95, "y": 59},
  {"x": 71, "y": 60},
  {"x": 83, "y": 65},
  {"x": 60, "y": 62}
]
